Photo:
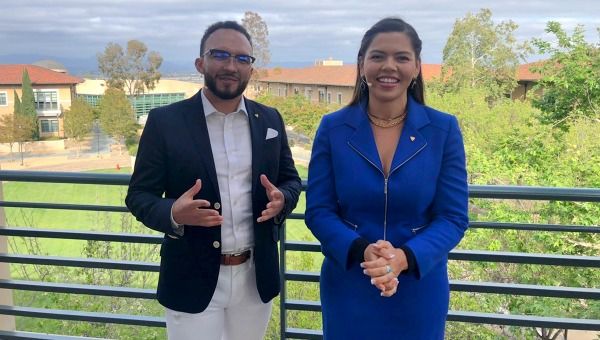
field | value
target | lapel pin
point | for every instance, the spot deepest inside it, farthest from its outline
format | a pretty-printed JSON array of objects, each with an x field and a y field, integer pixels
[
  {"x": 256, "y": 115},
  {"x": 412, "y": 138}
]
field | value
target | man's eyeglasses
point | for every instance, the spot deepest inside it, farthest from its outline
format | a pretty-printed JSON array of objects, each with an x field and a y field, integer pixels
[{"x": 242, "y": 60}]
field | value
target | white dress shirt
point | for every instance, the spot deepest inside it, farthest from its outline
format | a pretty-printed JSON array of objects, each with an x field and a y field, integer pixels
[{"x": 232, "y": 151}]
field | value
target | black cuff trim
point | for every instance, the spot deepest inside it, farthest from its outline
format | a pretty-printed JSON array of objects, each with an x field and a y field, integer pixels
[
  {"x": 357, "y": 250},
  {"x": 410, "y": 258}
]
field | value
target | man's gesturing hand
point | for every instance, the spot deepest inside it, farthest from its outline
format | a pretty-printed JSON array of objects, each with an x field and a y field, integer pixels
[
  {"x": 276, "y": 200},
  {"x": 188, "y": 211}
]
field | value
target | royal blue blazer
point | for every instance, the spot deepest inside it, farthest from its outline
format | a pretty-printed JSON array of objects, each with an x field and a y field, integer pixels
[{"x": 422, "y": 205}]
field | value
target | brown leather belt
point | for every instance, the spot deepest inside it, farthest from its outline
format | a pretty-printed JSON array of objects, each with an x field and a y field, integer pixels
[{"x": 235, "y": 259}]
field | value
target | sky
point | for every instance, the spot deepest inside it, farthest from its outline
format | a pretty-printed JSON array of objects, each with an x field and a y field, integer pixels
[{"x": 299, "y": 30}]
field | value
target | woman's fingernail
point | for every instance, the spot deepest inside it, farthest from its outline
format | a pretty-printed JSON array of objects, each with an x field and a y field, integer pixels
[
  {"x": 372, "y": 281},
  {"x": 364, "y": 271},
  {"x": 362, "y": 265},
  {"x": 392, "y": 256}
]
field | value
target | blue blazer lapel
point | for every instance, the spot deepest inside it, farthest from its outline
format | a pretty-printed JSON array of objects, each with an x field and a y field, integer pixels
[
  {"x": 196, "y": 121},
  {"x": 363, "y": 140},
  {"x": 411, "y": 141}
]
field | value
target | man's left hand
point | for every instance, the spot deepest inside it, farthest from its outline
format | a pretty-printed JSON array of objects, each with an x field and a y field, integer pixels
[{"x": 276, "y": 200}]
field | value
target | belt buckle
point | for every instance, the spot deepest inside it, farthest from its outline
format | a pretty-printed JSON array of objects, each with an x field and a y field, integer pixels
[{"x": 237, "y": 254}]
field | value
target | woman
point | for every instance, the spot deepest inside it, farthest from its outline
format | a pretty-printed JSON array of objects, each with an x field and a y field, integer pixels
[{"x": 387, "y": 197}]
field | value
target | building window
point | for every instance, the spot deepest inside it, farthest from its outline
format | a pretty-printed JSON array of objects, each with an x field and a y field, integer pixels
[
  {"x": 339, "y": 98},
  {"x": 49, "y": 125},
  {"x": 285, "y": 91},
  {"x": 308, "y": 93},
  {"x": 3, "y": 99},
  {"x": 278, "y": 92},
  {"x": 328, "y": 97},
  {"x": 46, "y": 100},
  {"x": 321, "y": 96},
  {"x": 296, "y": 90},
  {"x": 91, "y": 99}
]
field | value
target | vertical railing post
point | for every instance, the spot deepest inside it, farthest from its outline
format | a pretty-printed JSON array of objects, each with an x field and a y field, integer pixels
[
  {"x": 7, "y": 322},
  {"x": 282, "y": 295}
]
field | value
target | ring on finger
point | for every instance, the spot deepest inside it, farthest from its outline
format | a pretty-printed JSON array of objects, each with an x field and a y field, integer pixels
[{"x": 389, "y": 269}]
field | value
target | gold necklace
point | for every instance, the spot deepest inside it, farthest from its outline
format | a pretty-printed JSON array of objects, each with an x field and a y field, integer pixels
[
  {"x": 401, "y": 118},
  {"x": 388, "y": 119}
]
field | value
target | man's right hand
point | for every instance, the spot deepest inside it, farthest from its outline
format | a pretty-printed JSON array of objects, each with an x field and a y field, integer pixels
[{"x": 188, "y": 211}]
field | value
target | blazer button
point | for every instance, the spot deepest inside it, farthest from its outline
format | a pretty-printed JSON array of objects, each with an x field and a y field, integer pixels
[
  {"x": 216, "y": 244},
  {"x": 217, "y": 205}
]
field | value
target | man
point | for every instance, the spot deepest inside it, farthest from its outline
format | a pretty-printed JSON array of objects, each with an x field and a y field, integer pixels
[{"x": 215, "y": 174}]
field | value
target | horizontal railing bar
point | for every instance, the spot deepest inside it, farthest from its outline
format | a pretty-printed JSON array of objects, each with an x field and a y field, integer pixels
[
  {"x": 70, "y": 288},
  {"x": 302, "y": 246},
  {"x": 80, "y": 262},
  {"x": 525, "y": 258},
  {"x": 534, "y": 193},
  {"x": 304, "y": 305},
  {"x": 299, "y": 333},
  {"x": 525, "y": 289},
  {"x": 61, "y": 206},
  {"x": 524, "y": 320},
  {"x": 122, "y": 319},
  {"x": 486, "y": 287},
  {"x": 488, "y": 256},
  {"x": 535, "y": 227},
  {"x": 302, "y": 276},
  {"x": 15, "y": 335},
  {"x": 475, "y": 191},
  {"x": 82, "y": 235},
  {"x": 64, "y": 177}
]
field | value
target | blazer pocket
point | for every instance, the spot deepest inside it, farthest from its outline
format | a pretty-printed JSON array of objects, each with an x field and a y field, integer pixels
[
  {"x": 419, "y": 229},
  {"x": 350, "y": 224}
]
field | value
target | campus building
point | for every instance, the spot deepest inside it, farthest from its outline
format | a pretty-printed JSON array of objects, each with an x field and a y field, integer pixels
[
  {"x": 332, "y": 82},
  {"x": 53, "y": 90}
]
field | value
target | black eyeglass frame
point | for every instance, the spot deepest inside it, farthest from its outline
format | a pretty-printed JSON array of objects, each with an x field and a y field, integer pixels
[{"x": 239, "y": 58}]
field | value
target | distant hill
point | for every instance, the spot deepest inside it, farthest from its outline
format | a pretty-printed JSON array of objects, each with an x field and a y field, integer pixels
[{"x": 89, "y": 65}]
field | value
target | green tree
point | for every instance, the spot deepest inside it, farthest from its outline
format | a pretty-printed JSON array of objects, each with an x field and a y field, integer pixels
[
  {"x": 258, "y": 30},
  {"x": 78, "y": 121},
  {"x": 27, "y": 107},
  {"x": 17, "y": 110},
  {"x": 134, "y": 71},
  {"x": 116, "y": 116},
  {"x": 481, "y": 53},
  {"x": 570, "y": 78},
  {"x": 8, "y": 133}
]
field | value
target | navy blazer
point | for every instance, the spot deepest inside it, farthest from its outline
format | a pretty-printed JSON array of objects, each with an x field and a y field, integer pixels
[{"x": 174, "y": 151}]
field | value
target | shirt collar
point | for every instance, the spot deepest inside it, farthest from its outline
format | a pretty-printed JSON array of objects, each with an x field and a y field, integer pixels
[{"x": 210, "y": 109}]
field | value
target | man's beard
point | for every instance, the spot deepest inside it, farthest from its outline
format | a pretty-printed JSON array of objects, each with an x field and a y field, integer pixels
[{"x": 211, "y": 83}]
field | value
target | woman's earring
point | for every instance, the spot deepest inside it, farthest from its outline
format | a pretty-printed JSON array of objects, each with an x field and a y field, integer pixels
[{"x": 413, "y": 83}]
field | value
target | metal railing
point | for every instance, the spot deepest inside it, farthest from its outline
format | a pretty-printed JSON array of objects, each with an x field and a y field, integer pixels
[{"x": 286, "y": 304}]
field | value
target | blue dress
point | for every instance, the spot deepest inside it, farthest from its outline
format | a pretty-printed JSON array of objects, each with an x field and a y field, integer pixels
[{"x": 422, "y": 205}]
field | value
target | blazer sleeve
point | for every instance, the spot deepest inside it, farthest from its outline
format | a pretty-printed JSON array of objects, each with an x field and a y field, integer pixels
[
  {"x": 322, "y": 213},
  {"x": 149, "y": 180},
  {"x": 449, "y": 208}
]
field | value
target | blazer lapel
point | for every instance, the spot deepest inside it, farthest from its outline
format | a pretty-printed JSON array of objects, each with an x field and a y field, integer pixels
[
  {"x": 257, "y": 134},
  {"x": 363, "y": 140},
  {"x": 411, "y": 141},
  {"x": 196, "y": 121}
]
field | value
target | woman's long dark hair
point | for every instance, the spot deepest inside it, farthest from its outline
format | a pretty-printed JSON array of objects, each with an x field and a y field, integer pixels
[{"x": 386, "y": 25}]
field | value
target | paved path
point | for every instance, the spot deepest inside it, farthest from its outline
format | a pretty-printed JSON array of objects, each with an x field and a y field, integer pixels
[{"x": 68, "y": 163}]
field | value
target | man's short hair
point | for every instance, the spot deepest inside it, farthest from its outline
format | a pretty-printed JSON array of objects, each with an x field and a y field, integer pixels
[{"x": 232, "y": 25}]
